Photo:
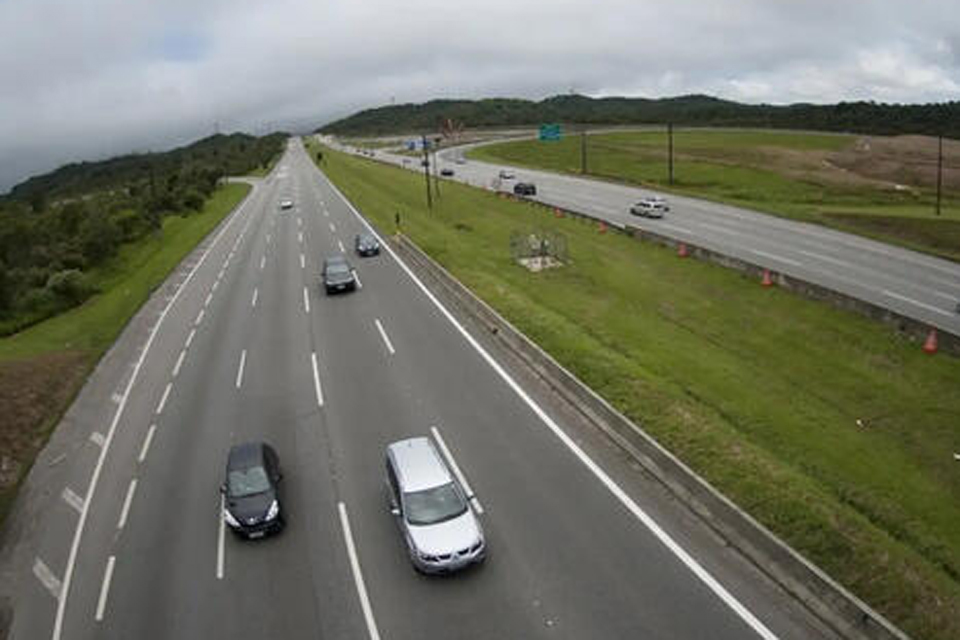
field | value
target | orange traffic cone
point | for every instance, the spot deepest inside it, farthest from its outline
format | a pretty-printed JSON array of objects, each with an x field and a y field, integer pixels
[
  {"x": 682, "y": 250},
  {"x": 557, "y": 212},
  {"x": 603, "y": 227},
  {"x": 930, "y": 344},
  {"x": 767, "y": 280}
]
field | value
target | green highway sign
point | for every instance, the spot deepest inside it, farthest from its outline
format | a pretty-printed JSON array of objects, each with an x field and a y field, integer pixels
[{"x": 550, "y": 132}]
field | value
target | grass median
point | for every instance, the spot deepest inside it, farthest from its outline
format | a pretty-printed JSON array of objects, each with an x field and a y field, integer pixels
[
  {"x": 829, "y": 429},
  {"x": 881, "y": 187},
  {"x": 43, "y": 367}
]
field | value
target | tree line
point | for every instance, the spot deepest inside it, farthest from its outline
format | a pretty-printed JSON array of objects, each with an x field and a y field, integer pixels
[{"x": 55, "y": 228}]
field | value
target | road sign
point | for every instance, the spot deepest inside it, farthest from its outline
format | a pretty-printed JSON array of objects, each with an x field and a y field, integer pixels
[{"x": 550, "y": 132}]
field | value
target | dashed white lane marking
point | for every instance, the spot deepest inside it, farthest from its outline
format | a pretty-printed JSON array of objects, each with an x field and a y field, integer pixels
[
  {"x": 383, "y": 334},
  {"x": 333, "y": 228},
  {"x": 72, "y": 499},
  {"x": 326, "y": 213},
  {"x": 216, "y": 283},
  {"x": 220, "y": 551},
  {"x": 209, "y": 298},
  {"x": 456, "y": 471},
  {"x": 243, "y": 362},
  {"x": 193, "y": 332},
  {"x": 125, "y": 511},
  {"x": 340, "y": 244},
  {"x": 220, "y": 275},
  {"x": 618, "y": 493},
  {"x": 306, "y": 300},
  {"x": 268, "y": 238},
  {"x": 303, "y": 262},
  {"x": 49, "y": 581},
  {"x": 316, "y": 379},
  {"x": 146, "y": 443},
  {"x": 300, "y": 237},
  {"x": 773, "y": 256},
  {"x": 356, "y": 277},
  {"x": 105, "y": 587},
  {"x": 97, "y": 438},
  {"x": 176, "y": 367},
  {"x": 358, "y": 574},
  {"x": 256, "y": 294},
  {"x": 299, "y": 222},
  {"x": 163, "y": 400},
  {"x": 263, "y": 261},
  {"x": 922, "y": 305},
  {"x": 820, "y": 256},
  {"x": 199, "y": 317}
]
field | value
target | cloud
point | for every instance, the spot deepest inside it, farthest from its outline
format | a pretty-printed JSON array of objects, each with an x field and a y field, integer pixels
[{"x": 90, "y": 78}]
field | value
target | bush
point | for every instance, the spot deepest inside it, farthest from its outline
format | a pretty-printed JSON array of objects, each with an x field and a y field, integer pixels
[{"x": 70, "y": 286}]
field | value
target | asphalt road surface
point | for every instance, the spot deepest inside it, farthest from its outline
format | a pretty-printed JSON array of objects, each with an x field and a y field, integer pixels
[
  {"x": 247, "y": 347},
  {"x": 912, "y": 284}
]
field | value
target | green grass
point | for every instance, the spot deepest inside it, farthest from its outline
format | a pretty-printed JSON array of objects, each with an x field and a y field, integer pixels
[
  {"x": 775, "y": 172},
  {"x": 758, "y": 390},
  {"x": 125, "y": 282}
]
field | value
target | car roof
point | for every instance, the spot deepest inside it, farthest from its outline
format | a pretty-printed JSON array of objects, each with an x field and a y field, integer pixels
[
  {"x": 418, "y": 465},
  {"x": 335, "y": 260},
  {"x": 245, "y": 455}
]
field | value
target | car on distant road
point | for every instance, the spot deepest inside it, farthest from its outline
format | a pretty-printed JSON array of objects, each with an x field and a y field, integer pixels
[
  {"x": 506, "y": 175},
  {"x": 461, "y": 160},
  {"x": 650, "y": 207},
  {"x": 446, "y": 171},
  {"x": 525, "y": 189},
  {"x": 338, "y": 275},
  {"x": 366, "y": 244},
  {"x": 441, "y": 531},
  {"x": 252, "y": 506},
  {"x": 286, "y": 203}
]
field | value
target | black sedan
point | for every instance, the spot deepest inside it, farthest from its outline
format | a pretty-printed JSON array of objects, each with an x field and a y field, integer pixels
[
  {"x": 252, "y": 506},
  {"x": 446, "y": 172},
  {"x": 338, "y": 275},
  {"x": 366, "y": 245},
  {"x": 525, "y": 189}
]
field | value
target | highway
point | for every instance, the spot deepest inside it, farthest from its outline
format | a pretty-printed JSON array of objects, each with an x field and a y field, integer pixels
[
  {"x": 912, "y": 284},
  {"x": 128, "y": 540}
]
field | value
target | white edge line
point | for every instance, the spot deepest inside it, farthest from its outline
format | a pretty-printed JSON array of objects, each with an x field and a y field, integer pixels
[
  {"x": 471, "y": 496},
  {"x": 105, "y": 587},
  {"x": 694, "y": 566},
  {"x": 146, "y": 443},
  {"x": 220, "y": 536},
  {"x": 922, "y": 305},
  {"x": 316, "y": 379},
  {"x": 95, "y": 478},
  {"x": 243, "y": 362},
  {"x": 383, "y": 334},
  {"x": 125, "y": 511},
  {"x": 357, "y": 574},
  {"x": 176, "y": 367},
  {"x": 773, "y": 256}
]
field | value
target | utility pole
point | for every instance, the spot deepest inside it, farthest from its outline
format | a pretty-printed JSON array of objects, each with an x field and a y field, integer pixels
[
  {"x": 670, "y": 151},
  {"x": 583, "y": 150},
  {"x": 939, "y": 169},
  {"x": 436, "y": 175},
  {"x": 426, "y": 170}
]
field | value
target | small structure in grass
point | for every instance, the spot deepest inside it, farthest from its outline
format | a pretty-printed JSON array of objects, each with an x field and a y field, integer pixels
[{"x": 538, "y": 250}]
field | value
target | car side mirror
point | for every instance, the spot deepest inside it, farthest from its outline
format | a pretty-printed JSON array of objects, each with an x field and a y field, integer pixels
[{"x": 395, "y": 511}]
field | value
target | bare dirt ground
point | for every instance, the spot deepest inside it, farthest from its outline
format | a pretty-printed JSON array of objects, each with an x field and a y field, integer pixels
[{"x": 910, "y": 161}]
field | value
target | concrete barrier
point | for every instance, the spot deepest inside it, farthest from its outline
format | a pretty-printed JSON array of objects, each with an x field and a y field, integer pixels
[{"x": 824, "y": 597}]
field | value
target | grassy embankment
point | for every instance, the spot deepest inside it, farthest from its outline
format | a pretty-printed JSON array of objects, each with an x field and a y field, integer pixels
[
  {"x": 758, "y": 390},
  {"x": 42, "y": 368},
  {"x": 823, "y": 178}
]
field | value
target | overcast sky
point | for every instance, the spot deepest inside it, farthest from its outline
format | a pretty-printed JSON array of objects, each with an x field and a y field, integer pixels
[{"x": 84, "y": 79}]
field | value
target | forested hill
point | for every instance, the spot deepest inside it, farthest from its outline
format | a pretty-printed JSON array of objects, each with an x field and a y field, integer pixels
[
  {"x": 696, "y": 110},
  {"x": 233, "y": 154}
]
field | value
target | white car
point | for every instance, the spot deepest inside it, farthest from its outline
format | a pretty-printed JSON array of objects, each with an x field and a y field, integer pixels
[
  {"x": 286, "y": 204},
  {"x": 650, "y": 207},
  {"x": 506, "y": 175}
]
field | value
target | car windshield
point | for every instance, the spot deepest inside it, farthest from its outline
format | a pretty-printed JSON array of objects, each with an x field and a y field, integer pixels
[
  {"x": 431, "y": 506},
  {"x": 248, "y": 482}
]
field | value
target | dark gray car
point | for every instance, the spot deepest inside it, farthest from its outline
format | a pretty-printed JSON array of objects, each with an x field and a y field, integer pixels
[
  {"x": 251, "y": 490},
  {"x": 338, "y": 275}
]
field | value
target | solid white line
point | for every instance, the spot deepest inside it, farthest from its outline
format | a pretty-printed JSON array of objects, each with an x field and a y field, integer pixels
[
  {"x": 718, "y": 589},
  {"x": 220, "y": 542},
  {"x": 199, "y": 318},
  {"x": 263, "y": 261},
  {"x": 471, "y": 496},
  {"x": 773, "y": 256},
  {"x": 383, "y": 334},
  {"x": 163, "y": 400},
  {"x": 333, "y": 227},
  {"x": 72, "y": 499},
  {"x": 105, "y": 587},
  {"x": 303, "y": 262},
  {"x": 316, "y": 379},
  {"x": 676, "y": 228},
  {"x": 126, "y": 504},
  {"x": 243, "y": 361},
  {"x": 357, "y": 574},
  {"x": 193, "y": 332},
  {"x": 146, "y": 443},
  {"x": 356, "y": 277},
  {"x": 306, "y": 300},
  {"x": 946, "y": 296},
  {"x": 718, "y": 229},
  {"x": 49, "y": 581},
  {"x": 256, "y": 294},
  {"x": 819, "y": 256},
  {"x": 340, "y": 244},
  {"x": 928, "y": 307},
  {"x": 176, "y": 367},
  {"x": 209, "y": 298}
]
